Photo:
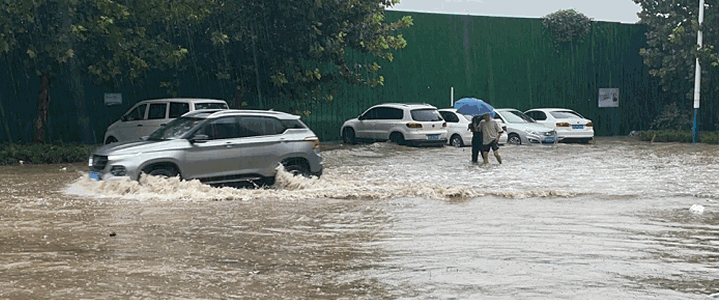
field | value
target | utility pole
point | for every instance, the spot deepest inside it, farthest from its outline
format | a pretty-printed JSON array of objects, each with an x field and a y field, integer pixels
[{"x": 696, "y": 102}]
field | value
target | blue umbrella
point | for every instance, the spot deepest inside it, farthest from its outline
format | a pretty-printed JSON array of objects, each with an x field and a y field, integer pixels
[{"x": 472, "y": 106}]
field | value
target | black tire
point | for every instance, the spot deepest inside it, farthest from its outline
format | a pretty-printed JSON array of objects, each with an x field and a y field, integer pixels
[
  {"x": 397, "y": 138},
  {"x": 456, "y": 141},
  {"x": 348, "y": 136},
  {"x": 585, "y": 141},
  {"x": 514, "y": 139},
  {"x": 110, "y": 139}
]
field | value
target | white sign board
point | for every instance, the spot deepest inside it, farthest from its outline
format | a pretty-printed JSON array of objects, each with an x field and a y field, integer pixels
[
  {"x": 609, "y": 97},
  {"x": 113, "y": 98}
]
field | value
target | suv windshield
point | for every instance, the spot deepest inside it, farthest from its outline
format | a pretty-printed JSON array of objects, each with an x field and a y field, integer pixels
[
  {"x": 515, "y": 116},
  {"x": 426, "y": 114},
  {"x": 175, "y": 129}
]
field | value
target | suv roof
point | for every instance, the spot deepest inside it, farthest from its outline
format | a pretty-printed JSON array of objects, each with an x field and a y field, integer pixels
[
  {"x": 216, "y": 113},
  {"x": 407, "y": 105}
]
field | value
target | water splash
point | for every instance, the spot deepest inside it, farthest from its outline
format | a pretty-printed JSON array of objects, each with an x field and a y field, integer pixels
[{"x": 332, "y": 185}]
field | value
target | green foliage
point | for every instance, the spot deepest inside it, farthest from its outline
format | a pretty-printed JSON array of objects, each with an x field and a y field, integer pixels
[
  {"x": 567, "y": 25},
  {"x": 297, "y": 49},
  {"x": 672, "y": 44},
  {"x": 672, "y": 118},
  {"x": 12, "y": 154},
  {"x": 676, "y": 136}
]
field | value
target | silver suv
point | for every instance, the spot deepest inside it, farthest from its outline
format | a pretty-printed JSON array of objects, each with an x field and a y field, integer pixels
[
  {"x": 402, "y": 123},
  {"x": 216, "y": 147}
]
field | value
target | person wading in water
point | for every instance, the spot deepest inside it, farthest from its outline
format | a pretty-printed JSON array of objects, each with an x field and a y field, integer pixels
[
  {"x": 490, "y": 136},
  {"x": 477, "y": 138}
]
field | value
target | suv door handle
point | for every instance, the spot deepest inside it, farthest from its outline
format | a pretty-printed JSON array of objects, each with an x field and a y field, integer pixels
[
  {"x": 162, "y": 124},
  {"x": 139, "y": 125}
]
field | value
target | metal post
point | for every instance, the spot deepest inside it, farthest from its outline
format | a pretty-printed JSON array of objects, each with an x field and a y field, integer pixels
[
  {"x": 696, "y": 102},
  {"x": 452, "y": 99}
]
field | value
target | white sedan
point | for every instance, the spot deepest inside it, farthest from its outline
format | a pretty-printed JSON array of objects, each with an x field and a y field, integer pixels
[
  {"x": 570, "y": 125},
  {"x": 457, "y": 127}
]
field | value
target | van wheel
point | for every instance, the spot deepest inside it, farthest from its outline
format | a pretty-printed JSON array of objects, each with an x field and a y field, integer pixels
[
  {"x": 348, "y": 136},
  {"x": 110, "y": 139},
  {"x": 514, "y": 139},
  {"x": 456, "y": 141},
  {"x": 397, "y": 138}
]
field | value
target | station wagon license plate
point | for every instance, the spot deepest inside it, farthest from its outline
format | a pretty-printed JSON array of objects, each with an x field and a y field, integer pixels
[
  {"x": 577, "y": 127},
  {"x": 94, "y": 175},
  {"x": 433, "y": 137}
]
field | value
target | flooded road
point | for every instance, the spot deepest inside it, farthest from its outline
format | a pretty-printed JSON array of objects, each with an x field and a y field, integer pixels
[{"x": 618, "y": 219}]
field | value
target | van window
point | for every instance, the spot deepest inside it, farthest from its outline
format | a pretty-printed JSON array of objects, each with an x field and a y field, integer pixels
[
  {"x": 136, "y": 114},
  {"x": 177, "y": 109},
  {"x": 157, "y": 111},
  {"x": 210, "y": 105}
]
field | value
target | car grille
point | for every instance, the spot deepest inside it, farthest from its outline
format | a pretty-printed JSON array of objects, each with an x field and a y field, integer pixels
[{"x": 99, "y": 163}]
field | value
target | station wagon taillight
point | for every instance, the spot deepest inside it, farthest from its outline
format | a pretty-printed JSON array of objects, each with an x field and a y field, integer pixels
[
  {"x": 589, "y": 124},
  {"x": 444, "y": 124},
  {"x": 562, "y": 124},
  {"x": 315, "y": 142},
  {"x": 413, "y": 125}
]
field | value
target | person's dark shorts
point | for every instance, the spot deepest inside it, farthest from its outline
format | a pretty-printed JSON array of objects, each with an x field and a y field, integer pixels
[{"x": 493, "y": 145}]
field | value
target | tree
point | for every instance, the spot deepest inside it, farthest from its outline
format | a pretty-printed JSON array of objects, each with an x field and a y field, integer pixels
[
  {"x": 671, "y": 50},
  {"x": 101, "y": 38},
  {"x": 296, "y": 49},
  {"x": 567, "y": 25}
]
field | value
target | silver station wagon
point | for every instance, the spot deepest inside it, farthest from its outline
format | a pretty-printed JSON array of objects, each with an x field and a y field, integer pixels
[{"x": 216, "y": 147}]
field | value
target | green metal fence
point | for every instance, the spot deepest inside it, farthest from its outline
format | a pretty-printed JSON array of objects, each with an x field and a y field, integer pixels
[{"x": 508, "y": 62}]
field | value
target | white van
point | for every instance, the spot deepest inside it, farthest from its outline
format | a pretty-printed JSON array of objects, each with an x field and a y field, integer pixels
[{"x": 149, "y": 115}]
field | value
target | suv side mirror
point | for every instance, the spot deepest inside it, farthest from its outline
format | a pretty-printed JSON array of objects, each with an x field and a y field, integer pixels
[
  {"x": 199, "y": 138},
  {"x": 124, "y": 118},
  {"x": 361, "y": 117}
]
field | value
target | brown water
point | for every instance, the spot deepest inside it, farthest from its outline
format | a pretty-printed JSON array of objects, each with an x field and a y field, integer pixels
[{"x": 618, "y": 219}]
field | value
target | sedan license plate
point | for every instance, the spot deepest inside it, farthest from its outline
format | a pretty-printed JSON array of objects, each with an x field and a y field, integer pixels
[
  {"x": 549, "y": 139},
  {"x": 577, "y": 127},
  {"x": 94, "y": 175},
  {"x": 433, "y": 137}
]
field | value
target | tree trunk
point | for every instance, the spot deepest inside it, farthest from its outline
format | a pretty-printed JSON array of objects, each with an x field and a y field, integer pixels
[{"x": 42, "y": 108}]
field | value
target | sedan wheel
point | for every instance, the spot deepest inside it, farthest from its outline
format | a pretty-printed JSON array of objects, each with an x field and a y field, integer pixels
[
  {"x": 456, "y": 141},
  {"x": 514, "y": 139},
  {"x": 348, "y": 136}
]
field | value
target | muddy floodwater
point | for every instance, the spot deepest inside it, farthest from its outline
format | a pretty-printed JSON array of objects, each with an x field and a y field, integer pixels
[{"x": 617, "y": 219}]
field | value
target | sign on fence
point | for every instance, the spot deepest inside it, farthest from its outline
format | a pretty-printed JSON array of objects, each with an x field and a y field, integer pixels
[
  {"x": 609, "y": 97},
  {"x": 113, "y": 99}
]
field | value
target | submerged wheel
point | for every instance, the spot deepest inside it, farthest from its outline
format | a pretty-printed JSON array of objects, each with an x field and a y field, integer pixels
[
  {"x": 348, "y": 136},
  {"x": 110, "y": 139},
  {"x": 397, "y": 138},
  {"x": 456, "y": 141},
  {"x": 162, "y": 170},
  {"x": 514, "y": 139}
]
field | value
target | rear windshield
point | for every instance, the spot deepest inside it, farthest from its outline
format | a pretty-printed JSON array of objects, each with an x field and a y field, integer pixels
[
  {"x": 565, "y": 114},
  {"x": 210, "y": 105},
  {"x": 426, "y": 114},
  {"x": 515, "y": 116}
]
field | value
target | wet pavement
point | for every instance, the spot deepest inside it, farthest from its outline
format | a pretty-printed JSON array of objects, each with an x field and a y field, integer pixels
[{"x": 617, "y": 219}]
